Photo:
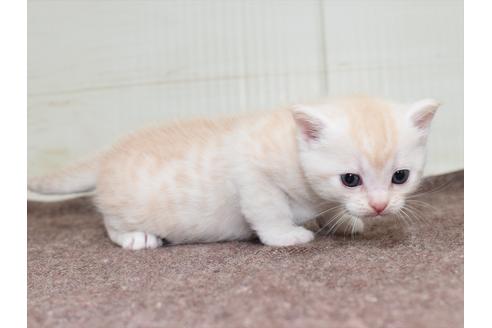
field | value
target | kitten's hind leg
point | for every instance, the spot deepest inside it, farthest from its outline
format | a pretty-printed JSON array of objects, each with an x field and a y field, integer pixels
[{"x": 134, "y": 240}]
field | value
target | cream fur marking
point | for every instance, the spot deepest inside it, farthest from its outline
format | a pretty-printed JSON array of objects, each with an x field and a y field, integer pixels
[{"x": 265, "y": 174}]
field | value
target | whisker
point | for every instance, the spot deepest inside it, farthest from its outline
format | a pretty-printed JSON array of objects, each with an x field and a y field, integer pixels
[
  {"x": 417, "y": 214},
  {"x": 429, "y": 192},
  {"x": 340, "y": 213},
  {"x": 412, "y": 216},
  {"x": 346, "y": 227},
  {"x": 334, "y": 218},
  {"x": 422, "y": 204},
  {"x": 405, "y": 217},
  {"x": 337, "y": 224},
  {"x": 399, "y": 219},
  {"x": 328, "y": 210},
  {"x": 405, "y": 214},
  {"x": 353, "y": 221}
]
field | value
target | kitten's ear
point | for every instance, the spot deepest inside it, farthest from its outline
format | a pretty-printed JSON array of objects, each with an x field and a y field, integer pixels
[
  {"x": 422, "y": 112},
  {"x": 308, "y": 121}
]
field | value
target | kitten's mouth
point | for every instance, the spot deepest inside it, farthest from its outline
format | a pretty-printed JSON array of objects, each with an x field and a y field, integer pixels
[{"x": 375, "y": 215}]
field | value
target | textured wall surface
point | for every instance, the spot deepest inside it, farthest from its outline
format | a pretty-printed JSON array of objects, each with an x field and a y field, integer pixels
[{"x": 99, "y": 69}]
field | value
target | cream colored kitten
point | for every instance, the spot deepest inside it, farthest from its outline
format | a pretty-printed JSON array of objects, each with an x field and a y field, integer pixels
[{"x": 227, "y": 179}]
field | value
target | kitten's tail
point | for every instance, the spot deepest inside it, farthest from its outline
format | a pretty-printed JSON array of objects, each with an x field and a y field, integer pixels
[{"x": 77, "y": 178}]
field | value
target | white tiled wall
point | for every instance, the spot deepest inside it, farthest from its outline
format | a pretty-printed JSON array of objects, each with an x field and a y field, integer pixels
[{"x": 98, "y": 69}]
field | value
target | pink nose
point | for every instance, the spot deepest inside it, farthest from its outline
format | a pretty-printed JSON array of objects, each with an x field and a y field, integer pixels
[{"x": 378, "y": 207}]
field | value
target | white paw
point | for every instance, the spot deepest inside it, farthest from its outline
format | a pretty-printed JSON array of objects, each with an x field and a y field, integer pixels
[
  {"x": 135, "y": 240},
  {"x": 294, "y": 236}
]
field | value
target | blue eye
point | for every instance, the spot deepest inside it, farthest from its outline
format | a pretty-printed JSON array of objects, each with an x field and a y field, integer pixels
[
  {"x": 400, "y": 176},
  {"x": 351, "y": 180}
]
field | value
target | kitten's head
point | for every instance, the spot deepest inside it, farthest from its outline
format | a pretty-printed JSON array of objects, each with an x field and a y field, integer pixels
[{"x": 365, "y": 153}]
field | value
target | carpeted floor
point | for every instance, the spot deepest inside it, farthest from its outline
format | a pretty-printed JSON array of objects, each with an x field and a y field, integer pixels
[{"x": 391, "y": 276}]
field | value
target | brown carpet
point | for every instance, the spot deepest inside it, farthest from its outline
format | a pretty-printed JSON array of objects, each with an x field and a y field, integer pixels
[{"x": 392, "y": 276}]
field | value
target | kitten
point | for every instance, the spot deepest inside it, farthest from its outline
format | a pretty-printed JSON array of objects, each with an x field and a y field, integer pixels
[{"x": 265, "y": 174}]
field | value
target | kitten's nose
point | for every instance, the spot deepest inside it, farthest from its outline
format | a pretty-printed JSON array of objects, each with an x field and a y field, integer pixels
[{"x": 378, "y": 207}]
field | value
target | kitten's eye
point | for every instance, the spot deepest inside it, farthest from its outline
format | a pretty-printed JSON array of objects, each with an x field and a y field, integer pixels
[
  {"x": 351, "y": 180},
  {"x": 400, "y": 176}
]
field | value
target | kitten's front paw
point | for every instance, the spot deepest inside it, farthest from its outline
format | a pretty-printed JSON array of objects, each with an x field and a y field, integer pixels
[
  {"x": 294, "y": 236},
  {"x": 135, "y": 240}
]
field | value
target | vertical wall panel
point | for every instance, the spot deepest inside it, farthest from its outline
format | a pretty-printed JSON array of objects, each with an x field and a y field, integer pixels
[
  {"x": 404, "y": 50},
  {"x": 98, "y": 69}
]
